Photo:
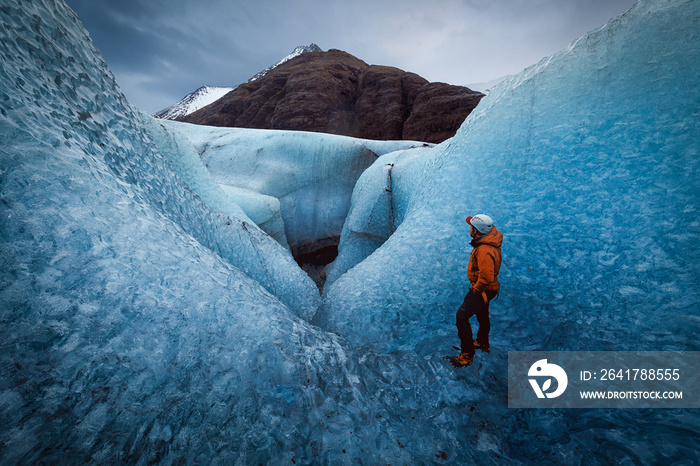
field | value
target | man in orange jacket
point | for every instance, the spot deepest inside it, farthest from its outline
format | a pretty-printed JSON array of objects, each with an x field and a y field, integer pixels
[{"x": 482, "y": 272}]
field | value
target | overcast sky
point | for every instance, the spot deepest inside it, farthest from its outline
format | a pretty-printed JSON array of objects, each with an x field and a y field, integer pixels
[{"x": 161, "y": 50}]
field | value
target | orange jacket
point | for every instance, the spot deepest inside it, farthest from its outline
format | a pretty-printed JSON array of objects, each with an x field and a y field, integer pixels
[{"x": 485, "y": 262}]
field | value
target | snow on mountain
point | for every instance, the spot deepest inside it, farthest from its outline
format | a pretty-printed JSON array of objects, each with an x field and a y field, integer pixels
[
  {"x": 295, "y": 53},
  {"x": 192, "y": 102},
  {"x": 206, "y": 95},
  {"x": 147, "y": 319}
]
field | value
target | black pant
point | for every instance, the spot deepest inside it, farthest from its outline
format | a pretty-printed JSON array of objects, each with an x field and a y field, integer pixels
[{"x": 474, "y": 305}]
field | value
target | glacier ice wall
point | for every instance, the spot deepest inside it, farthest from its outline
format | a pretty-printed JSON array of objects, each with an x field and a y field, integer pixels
[
  {"x": 588, "y": 162},
  {"x": 380, "y": 200},
  {"x": 125, "y": 326},
  {"x": 312, "y": 175},
  {"x": 71, "y": 107}
]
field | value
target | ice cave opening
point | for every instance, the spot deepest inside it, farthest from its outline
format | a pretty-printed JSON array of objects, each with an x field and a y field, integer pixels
[{"x": 315, "y": 257}]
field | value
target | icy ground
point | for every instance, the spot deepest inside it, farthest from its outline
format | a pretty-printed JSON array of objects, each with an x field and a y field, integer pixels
[{"x": 145, "y": 316}]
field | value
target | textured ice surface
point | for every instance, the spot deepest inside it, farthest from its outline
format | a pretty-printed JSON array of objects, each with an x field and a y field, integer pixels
[
  {"x": 242, "y": 243},
  {"x": 311, "y": 174},
  {"x": 264, "y": 210},
  {"x": 138, "y": 326},
  {"x": 380, "y": 200}
]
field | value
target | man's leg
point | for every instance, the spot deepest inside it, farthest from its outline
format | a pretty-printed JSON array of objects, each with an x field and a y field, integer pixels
[
  {"x": 482, "y": 316},
  {"x": 469, "y": 307}
]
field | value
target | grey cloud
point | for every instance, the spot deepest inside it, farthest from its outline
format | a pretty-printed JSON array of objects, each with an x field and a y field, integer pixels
[{"x": 160, "y": 50}]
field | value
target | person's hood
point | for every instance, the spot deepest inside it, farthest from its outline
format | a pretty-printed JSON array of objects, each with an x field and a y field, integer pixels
[{"x": 493, "y": 238}]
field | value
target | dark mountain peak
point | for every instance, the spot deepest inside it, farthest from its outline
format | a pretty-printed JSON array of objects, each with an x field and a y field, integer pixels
[{"x": 336, "y": 92}]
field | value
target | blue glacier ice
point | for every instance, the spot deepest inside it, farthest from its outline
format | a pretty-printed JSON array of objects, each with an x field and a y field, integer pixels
[
  {"x": 147, "y": 316},
  {"x": 379, "y": 204},
  {"x": 311, "y": 175}
]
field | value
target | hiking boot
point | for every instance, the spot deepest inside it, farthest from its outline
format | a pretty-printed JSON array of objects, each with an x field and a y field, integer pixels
[
  {"x": 462, "y": 360},
  {"x": 485, "y": 348}
]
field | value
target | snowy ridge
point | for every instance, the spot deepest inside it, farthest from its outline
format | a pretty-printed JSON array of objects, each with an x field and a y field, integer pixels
[
  {"x": 192, "y": 102},
  {"x": 295, "y": 53}
]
